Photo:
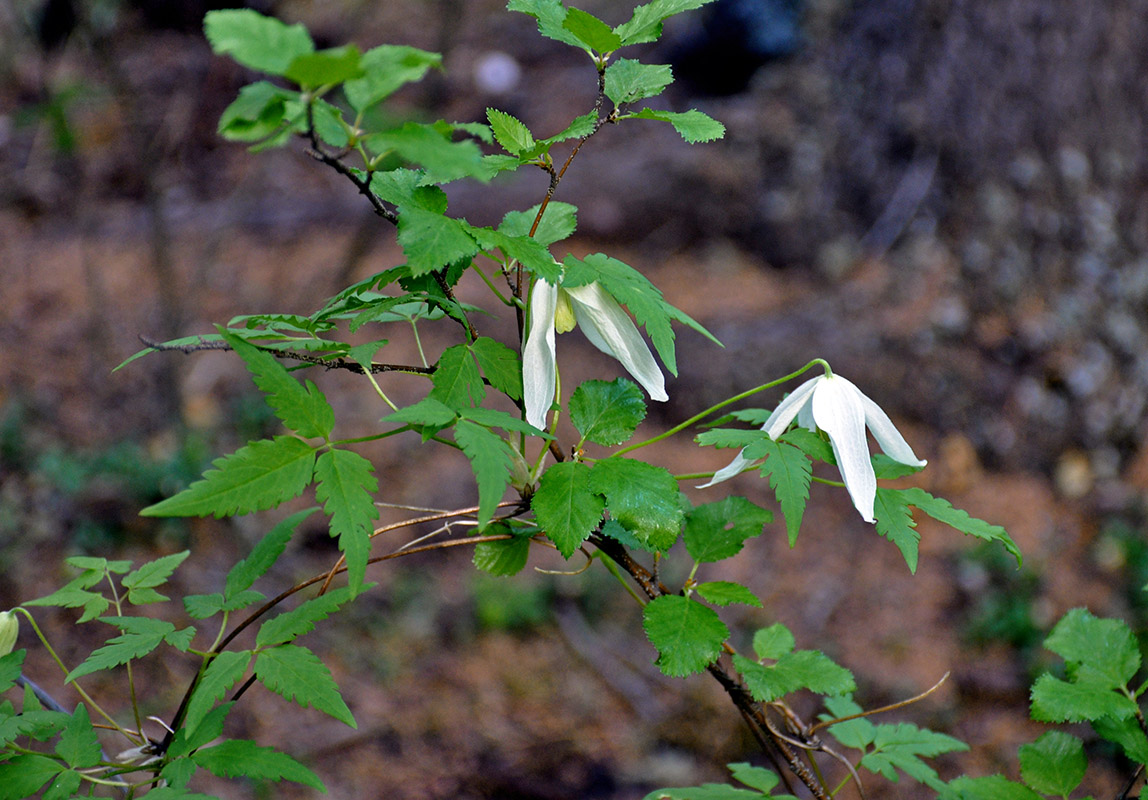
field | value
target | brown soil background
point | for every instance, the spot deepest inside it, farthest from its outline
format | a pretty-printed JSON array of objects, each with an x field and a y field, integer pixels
[{"x": 997, "y": 313}]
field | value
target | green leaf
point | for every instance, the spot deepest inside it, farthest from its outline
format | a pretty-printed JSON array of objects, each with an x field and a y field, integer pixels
[
  {"x": 22, "y": 776},
  {"x": 303, "y": 410},
  {"x": 1054, "y": 700},
  {"x": 693, "y": 125},
  {"x": 404, "y": 187},
  {"x": 432, "y": 147},
  {"x": 346, "y": 489},
  {"x": 1053, "y": 764},
  {"x": 724, "y": 593},
  {"x": 530, "y": 253},
  {"x": 942, "y": 511},
  {"x": 152, "y": 574},
  {"x": 895, "y": 523},
  {"x": 457, "y": 381},
  {"x": 729, "y": 437},
  {"x": 493, "y": 418},
  {"x": 431, "y": 241},
  {"x": 263, "y": 556},
  {"x": 811, "y": 443},
  {"x": 502, "y": 557},
  {"x": 239, "y": 757},
  {"x": 607, "y": 412},
  {"x": 764, "y": 780},
  {"x": 551, "y": 16},
  {"x": 257, "y": 477},
  {"x": 1105, "y": 649},
  {"x": 580, "y": 126},
  {"x": 858, "y": 733},
  {"x": 688, "y": 636},
  {"x": 509, "y": 132},
  {"x": 492, "y": 459},
  {"x": 261, "y": 43},
  {"x": 789, "y": 471},
  {"x": 558, "y": 222},
  {"x": 144, "y": 636},
  {"x": 192, "y": 737},
  {"x": 628, "y": 81},
  {"x": 991, "y": 787},
  {"x": 566, "y": 506},
  {"x": 646, "y": 23},
  {"x": 331, "y": 66},
  {"x": 297, "y": 674},
  {"x": 707, "y": 791},
  {"x": 64, "y": 787},
  {"x": 78, "y": 745},
  {"x": 10, "y": 667},
  {"x": 641, "y": 496},
  {"x": 1126, "y": 733},
  {"x": 801, "y": 669},
  {"x": 289, "y": 625},
  {"x": 257, "y": 113},
  {"x": 428, "y": 412},
  {"x": 773, "y": 642},
  {"x": 387, "y": 68},
  {"x": 500, "y": 364},
  {"x": 716, "y": 531},
  {"x": 221, "y": 674},
  {"x": 591, "y": 31},
  {"x": 902, "y": 745},
  {"x": 71, "y": 596}
]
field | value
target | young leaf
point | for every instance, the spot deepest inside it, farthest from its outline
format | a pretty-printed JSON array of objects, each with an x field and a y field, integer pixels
[
  {"x": 239, "y": 757},
  {"x": 431, "y": 146},
  {"x": 942, "y": 511},
  {"x": 509, "y": 132},
  {"x": 764, "y": 780},
  {"x": 530, "y": 253},
  {"x": 1127, "y": 734},
  {"x": 566, "y": 506},
  {"x": 707, "y": 791},
  {"x": 558, "y": 222},
  {"x": 145, "y": 635},
  {"x": 607, "y": 412},
  {"x": 431, "y": 241},
  {"x": 22, "y": 776},
  {"x": 503, "y": 556},
  {"x": 693, "y": 125},
  {"x": 426, "y": 412},
  {"x": 386, "y": 68},
  {"x": 1053, "y": 764},
  {"x": 728, "y": 437},
  {"x": 297, "y": 674},
  {"x": 789, "y": 471},
  {"x": 773, "y": 642},
  {"x": 1054, "y": 700},
  {"x": 592, "y": 32},
  {"x": 858, "y": 733},
  {"x": 65, "y": 786},
  {"x": 457, "y": 381},
  {"x": 628, "y": 81},
  {"x": 261, "y": 43},
  {"x": 257, "y": 477},
  {"x": 724, "y": 593},
  {"x": 646, "y": 23},
  {"x": 641, "y": 496},
  {"x": 346, "y": 489},
  {"x": 582, "y": 125},
  {"x": 551, "y": 16},
  {"x": 716, "y": 531},
  {"x": 492, "y": 418},
  {"x": 294, "y": 623},
  {"x": 801, "y": 669},
  {"x": 10, "y": 666},
  {"x": 263, "y": 556},
  {"x": 71, "y": 596},
  {"x": 78, "y": 745},
  {"x": 901, "y": 746},
  {"x": 990, "y": 787},
  {"x": 1105, "y": 650},
  {"x": 688, "y": 636},
  {"x": 331, "y": 66},
  {"x": 895, "y": 523},
  {"x": 141, "y": 582},
  {"x": 303, "y": 410},
  {"x": 500, "y": 365},
  {"x": 221, "y": 674},
  {"x": 257, "y": 113},
  {"x": 491, "y": 459}
]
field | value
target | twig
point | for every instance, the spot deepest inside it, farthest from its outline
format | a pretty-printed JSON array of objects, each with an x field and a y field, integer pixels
[{"x": 308, "y": 358}]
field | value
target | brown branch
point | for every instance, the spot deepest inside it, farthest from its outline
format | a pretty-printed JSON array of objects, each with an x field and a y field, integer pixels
[{"x": 307, "y": 358}]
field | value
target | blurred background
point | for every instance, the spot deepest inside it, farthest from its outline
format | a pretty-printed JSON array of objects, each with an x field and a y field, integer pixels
[{"x": 948, "y": 200}]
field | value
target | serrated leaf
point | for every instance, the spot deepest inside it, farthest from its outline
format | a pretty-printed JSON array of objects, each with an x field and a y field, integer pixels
[
  {"x": 592, "y": 32},
  {"x": 991, "y": 787},
  {"x": 1053, "y": 764},
  {"x": 789, "y": 472},
  {"x": 428, "y": 411},
  {"x": 492, "y": 459},
  {"x": 716, "y": 531},
  {"x": 257, "y": 477},
  {"x": 645, "y": 25},
  {"x": 239, "y": 757},
  {"x": 221, "y": 674},
  {"x": 457, "y": 381},
  {"x": 773, "y": 642},
  {"x": 1054, "y": 700},
  {"x": 123, "y": 648},
  {"x": 297, "y": 674},
  {"x": 693, "y": 125},
  {"x": 387, "y": 68},
  {"x": 607, "y": 412},
  {"x": 202, "y": 606},
  {"x": 177, "y": 773},
  {"x": 1126, "y": 733},
  {"x": 812, "y": 444},
  {"x": 71, "y": 596},
  {"x": 510, "y": 132},
  {"x": 303, "y": 410},
  {"x": 492, "y": 418},
  {"x": 257, "y": 113},
  {"x": 858, "y": 733},
  {"x": 582, "y": 125},
  {"x": 688, "y": 636},
  {"x": 566, "y": 506},
  {"x": 78, "y": 745},
  {"x": 941, "y": 510},
  {"x": 22, "y": 776},
  {"x": 707, "y": 791},
  {"x": 530, "y": 253},
  {"x": 294, "y": 623},
  {"x": 728, "y": 437},
  {"x": 502, "y": 557},
  {"x": 725, "y": 593},
  {"x": 551, "y": 15},
  {"x": 346, "y": 487},
  {"x": 10, "y": 666},
  {"x": 894, "y": 521},
  {"x": 431, "y": 241},
  {"x": 643, "y": 497},
  {"x": 64, "y": 787},
  {"x": 628, "y": 81},
  {"x": 331, "y": 66},
  {"x": 261, "y": 43},
  {"x": 801, "y": 669},
  {"x": 181, "y": 639},
  {"x": 192, "y": 737},
  {"x": 1105, "y": 649},
  {"x": 558, "y": 222},
  {"x": 442, "y": 159},
  {"x": 902, "y": 745},
  {"x": 500, "y": 365},
  {"x": 154, "y": 573},
  {"x": 760, "y": 778},
  {"x": 241, "y": 576}
]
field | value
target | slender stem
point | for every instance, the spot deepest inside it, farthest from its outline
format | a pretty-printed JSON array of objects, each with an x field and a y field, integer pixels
[
  {"x": 128, "y": 665},
  {"x": 418, "y": 342}
]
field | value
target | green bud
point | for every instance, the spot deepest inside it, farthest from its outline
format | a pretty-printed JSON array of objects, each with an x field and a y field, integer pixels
[
  {"x": 563, "y": 313},
  {"x": 9, "y": 628}
]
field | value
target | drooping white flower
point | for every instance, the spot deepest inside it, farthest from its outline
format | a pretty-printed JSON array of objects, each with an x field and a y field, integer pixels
[
  {"x": 605, "y": 324},
  {"x": 837, "y": 407}
]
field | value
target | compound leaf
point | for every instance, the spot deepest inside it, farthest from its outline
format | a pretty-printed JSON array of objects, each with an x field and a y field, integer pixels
[
  {"x": 221, "y": 674},
  {"x": 297, "y": 674},
  {"x": 500, "y": 365},
  {"x": 144, "y": 636},
  {"x": 789, "y": 471},
  {"x": 346, "y": 488},
  {"x": 431, "y": 241},
  {"x": 78, "y": 745},
  {"x": 240, "y": 757},
  {"x": 558, "y": 222},
  {"x": 241, "y": 576},
  {"x": 1054, "y": 700},
  {"x": 491, "y": 458},
  {"x": 895, "y": 523},
  {"x": 294, "y": 623},
  {"x": 941, "y": 510}
]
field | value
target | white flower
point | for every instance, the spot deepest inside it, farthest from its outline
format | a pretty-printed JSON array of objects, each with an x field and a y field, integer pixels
[
  {"x": 605, "y": 324},
  {"x": 836, "y": 406},
  {"x": 9, "y": 630}
]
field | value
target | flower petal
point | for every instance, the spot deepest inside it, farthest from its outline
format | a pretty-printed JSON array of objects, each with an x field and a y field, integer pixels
[
  {"x": 888, "y": 437},
  {"x": 538, "y": 358},
  {"x": 610, "y": 329},
  {"x": 738, "y": 465},
  {"x": 789, "y": 407},
  {"x": 839, "y": 411}
]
